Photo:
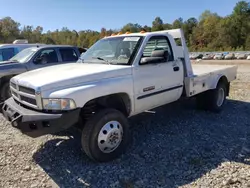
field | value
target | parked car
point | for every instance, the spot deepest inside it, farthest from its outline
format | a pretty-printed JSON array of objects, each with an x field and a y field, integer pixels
[
  {"x": 192, "y": 56},
  {"x": 230, "y": 56},
  {"x": 34, "y": 58},
  {"x": 207, "y": 57},
  {"x": 195, "y": 56},
  {"x": 242, "y": 56},
  {"x": 100, "y": 94},
  {"x": 199, "y": 56},
  {"x": 219, "y": 56},
  {"x": 248, "y": 57},
  {"x": 7, "y": 51}
]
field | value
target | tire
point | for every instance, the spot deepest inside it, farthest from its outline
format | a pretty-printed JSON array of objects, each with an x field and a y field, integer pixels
[
  {"x": 5, "y": 91},
  {"x": 212, "y": 100},
  {"x": 217, "y": 98},
  {"x": 98, "y": 131},
  {"x": 201, "y": 102}
]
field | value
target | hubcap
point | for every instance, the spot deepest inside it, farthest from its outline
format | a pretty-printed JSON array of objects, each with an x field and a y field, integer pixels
[
  {"x": 221, "y": 95},
  {"x": 110, "y": 136}
]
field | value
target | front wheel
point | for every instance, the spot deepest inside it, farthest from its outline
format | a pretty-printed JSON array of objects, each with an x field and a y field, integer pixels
[{"x": 106, "y": 135}]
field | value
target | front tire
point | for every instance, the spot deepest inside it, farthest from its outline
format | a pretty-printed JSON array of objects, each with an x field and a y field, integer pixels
[{"x": 106, "y": 135}]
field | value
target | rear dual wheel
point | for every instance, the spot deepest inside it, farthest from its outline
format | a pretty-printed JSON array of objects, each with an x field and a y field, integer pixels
[
  {"x": 213, "y": 100},
  {"x": 106, "y": 135}
]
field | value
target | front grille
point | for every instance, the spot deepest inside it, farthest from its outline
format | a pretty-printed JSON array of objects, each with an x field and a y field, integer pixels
[
  {"x": 14, "y": 93},
  {"x": 28, "y": 100},
  {"x": 27, "y": 90},
  {"x": 23, "y": 94},
  {"x": 13, "y": 85}
]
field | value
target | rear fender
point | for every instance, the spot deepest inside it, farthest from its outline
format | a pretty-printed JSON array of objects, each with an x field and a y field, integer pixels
[
  {"x": 217, "y": 79},
  {"x": 224, "y": 79}
]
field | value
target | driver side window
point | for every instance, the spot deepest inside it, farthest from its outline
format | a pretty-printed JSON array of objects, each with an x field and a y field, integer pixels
[
  {"x": 46, "y": 56},
  {"x": 158, "y": 43}
]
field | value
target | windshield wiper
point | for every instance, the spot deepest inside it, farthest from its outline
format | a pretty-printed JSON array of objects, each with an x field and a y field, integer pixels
[
  {"x": 14, "y": 60},
  {"x": 99, "y": 58}
]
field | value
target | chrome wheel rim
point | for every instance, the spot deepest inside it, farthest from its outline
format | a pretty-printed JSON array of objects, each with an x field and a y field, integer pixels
[
  {"x": 110, "y": 136},
  {"x": 220, "y": 98}
]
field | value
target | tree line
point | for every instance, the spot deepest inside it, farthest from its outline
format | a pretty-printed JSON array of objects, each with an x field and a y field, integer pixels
[{"x": 209, "y": 32}]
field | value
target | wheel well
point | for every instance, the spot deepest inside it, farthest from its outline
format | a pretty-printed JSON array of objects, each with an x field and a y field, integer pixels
[
  {"x": 224, "y": 80},
  {"x": 119, "y": 101},
  {"x": 6, "y": 78}
]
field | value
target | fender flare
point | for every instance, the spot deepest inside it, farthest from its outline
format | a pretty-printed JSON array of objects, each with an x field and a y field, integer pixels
[{"x": 217, "y": 80}]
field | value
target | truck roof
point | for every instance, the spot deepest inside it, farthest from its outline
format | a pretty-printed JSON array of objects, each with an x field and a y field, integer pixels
[
  {"x": 54, "y": 46},
  {"x": 18, "y": 45},
  {"x": 175, "y": 33},
  {"x": 34, "y": 45}
]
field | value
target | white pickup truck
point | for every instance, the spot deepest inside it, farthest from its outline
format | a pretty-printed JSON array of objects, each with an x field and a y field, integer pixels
[{"x": 118, "y": 77}]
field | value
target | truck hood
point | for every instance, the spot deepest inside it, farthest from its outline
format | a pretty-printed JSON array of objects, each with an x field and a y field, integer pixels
[
  {"x": 61, "y": 76},
  {"x": 11, "y": 68}
]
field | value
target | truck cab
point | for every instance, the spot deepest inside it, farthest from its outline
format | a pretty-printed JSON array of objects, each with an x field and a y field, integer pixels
[{"x": 118, "y": 77}]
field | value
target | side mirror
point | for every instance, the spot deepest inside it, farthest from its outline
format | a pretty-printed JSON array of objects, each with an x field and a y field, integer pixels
[
  {"x": 151, "y": 60},
  {"x": 157, "y": 56},
  {"x": 160, "y": 53}
]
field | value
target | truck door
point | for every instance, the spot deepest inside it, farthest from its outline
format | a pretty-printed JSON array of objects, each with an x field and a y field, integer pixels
[{"x": 157, "y": 83}]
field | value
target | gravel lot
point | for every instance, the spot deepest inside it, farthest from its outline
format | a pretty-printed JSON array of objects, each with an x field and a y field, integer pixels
[{"x": 176, "y": 147}]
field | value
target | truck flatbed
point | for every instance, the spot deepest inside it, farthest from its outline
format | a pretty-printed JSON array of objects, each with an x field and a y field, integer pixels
[
  {"x": 199, "y": 70},
  {"x": 206, "y": 77}
]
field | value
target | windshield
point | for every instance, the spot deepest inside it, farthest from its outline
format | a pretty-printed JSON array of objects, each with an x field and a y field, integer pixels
[
  {"x": 24, "y": 55},
  {"x": 117, "y": 50}
]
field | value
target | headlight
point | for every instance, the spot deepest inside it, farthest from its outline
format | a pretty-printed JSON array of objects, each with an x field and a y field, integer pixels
[{"x": 59, "y": 104}]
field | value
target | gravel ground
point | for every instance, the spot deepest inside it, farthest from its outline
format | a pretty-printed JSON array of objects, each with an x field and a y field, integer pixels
[{"x": 177, "y": 146}]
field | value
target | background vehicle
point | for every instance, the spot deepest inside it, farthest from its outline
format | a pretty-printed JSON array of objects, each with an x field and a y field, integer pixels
[
  {"x": 7, "y": 51},
  {"x": 34, "y": 58},
  {"x": 140, "y": 72},
  {"x": 207, "y": 57},
  {"x": 230, "y": 56},
  {"x": 219, "y": 56},
  {"x": 242, "y": 56},
  {"x": 196, "y": 56}
]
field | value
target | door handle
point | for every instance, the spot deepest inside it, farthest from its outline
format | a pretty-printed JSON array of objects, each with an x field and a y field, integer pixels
[{"x": 176, "y": 69}]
